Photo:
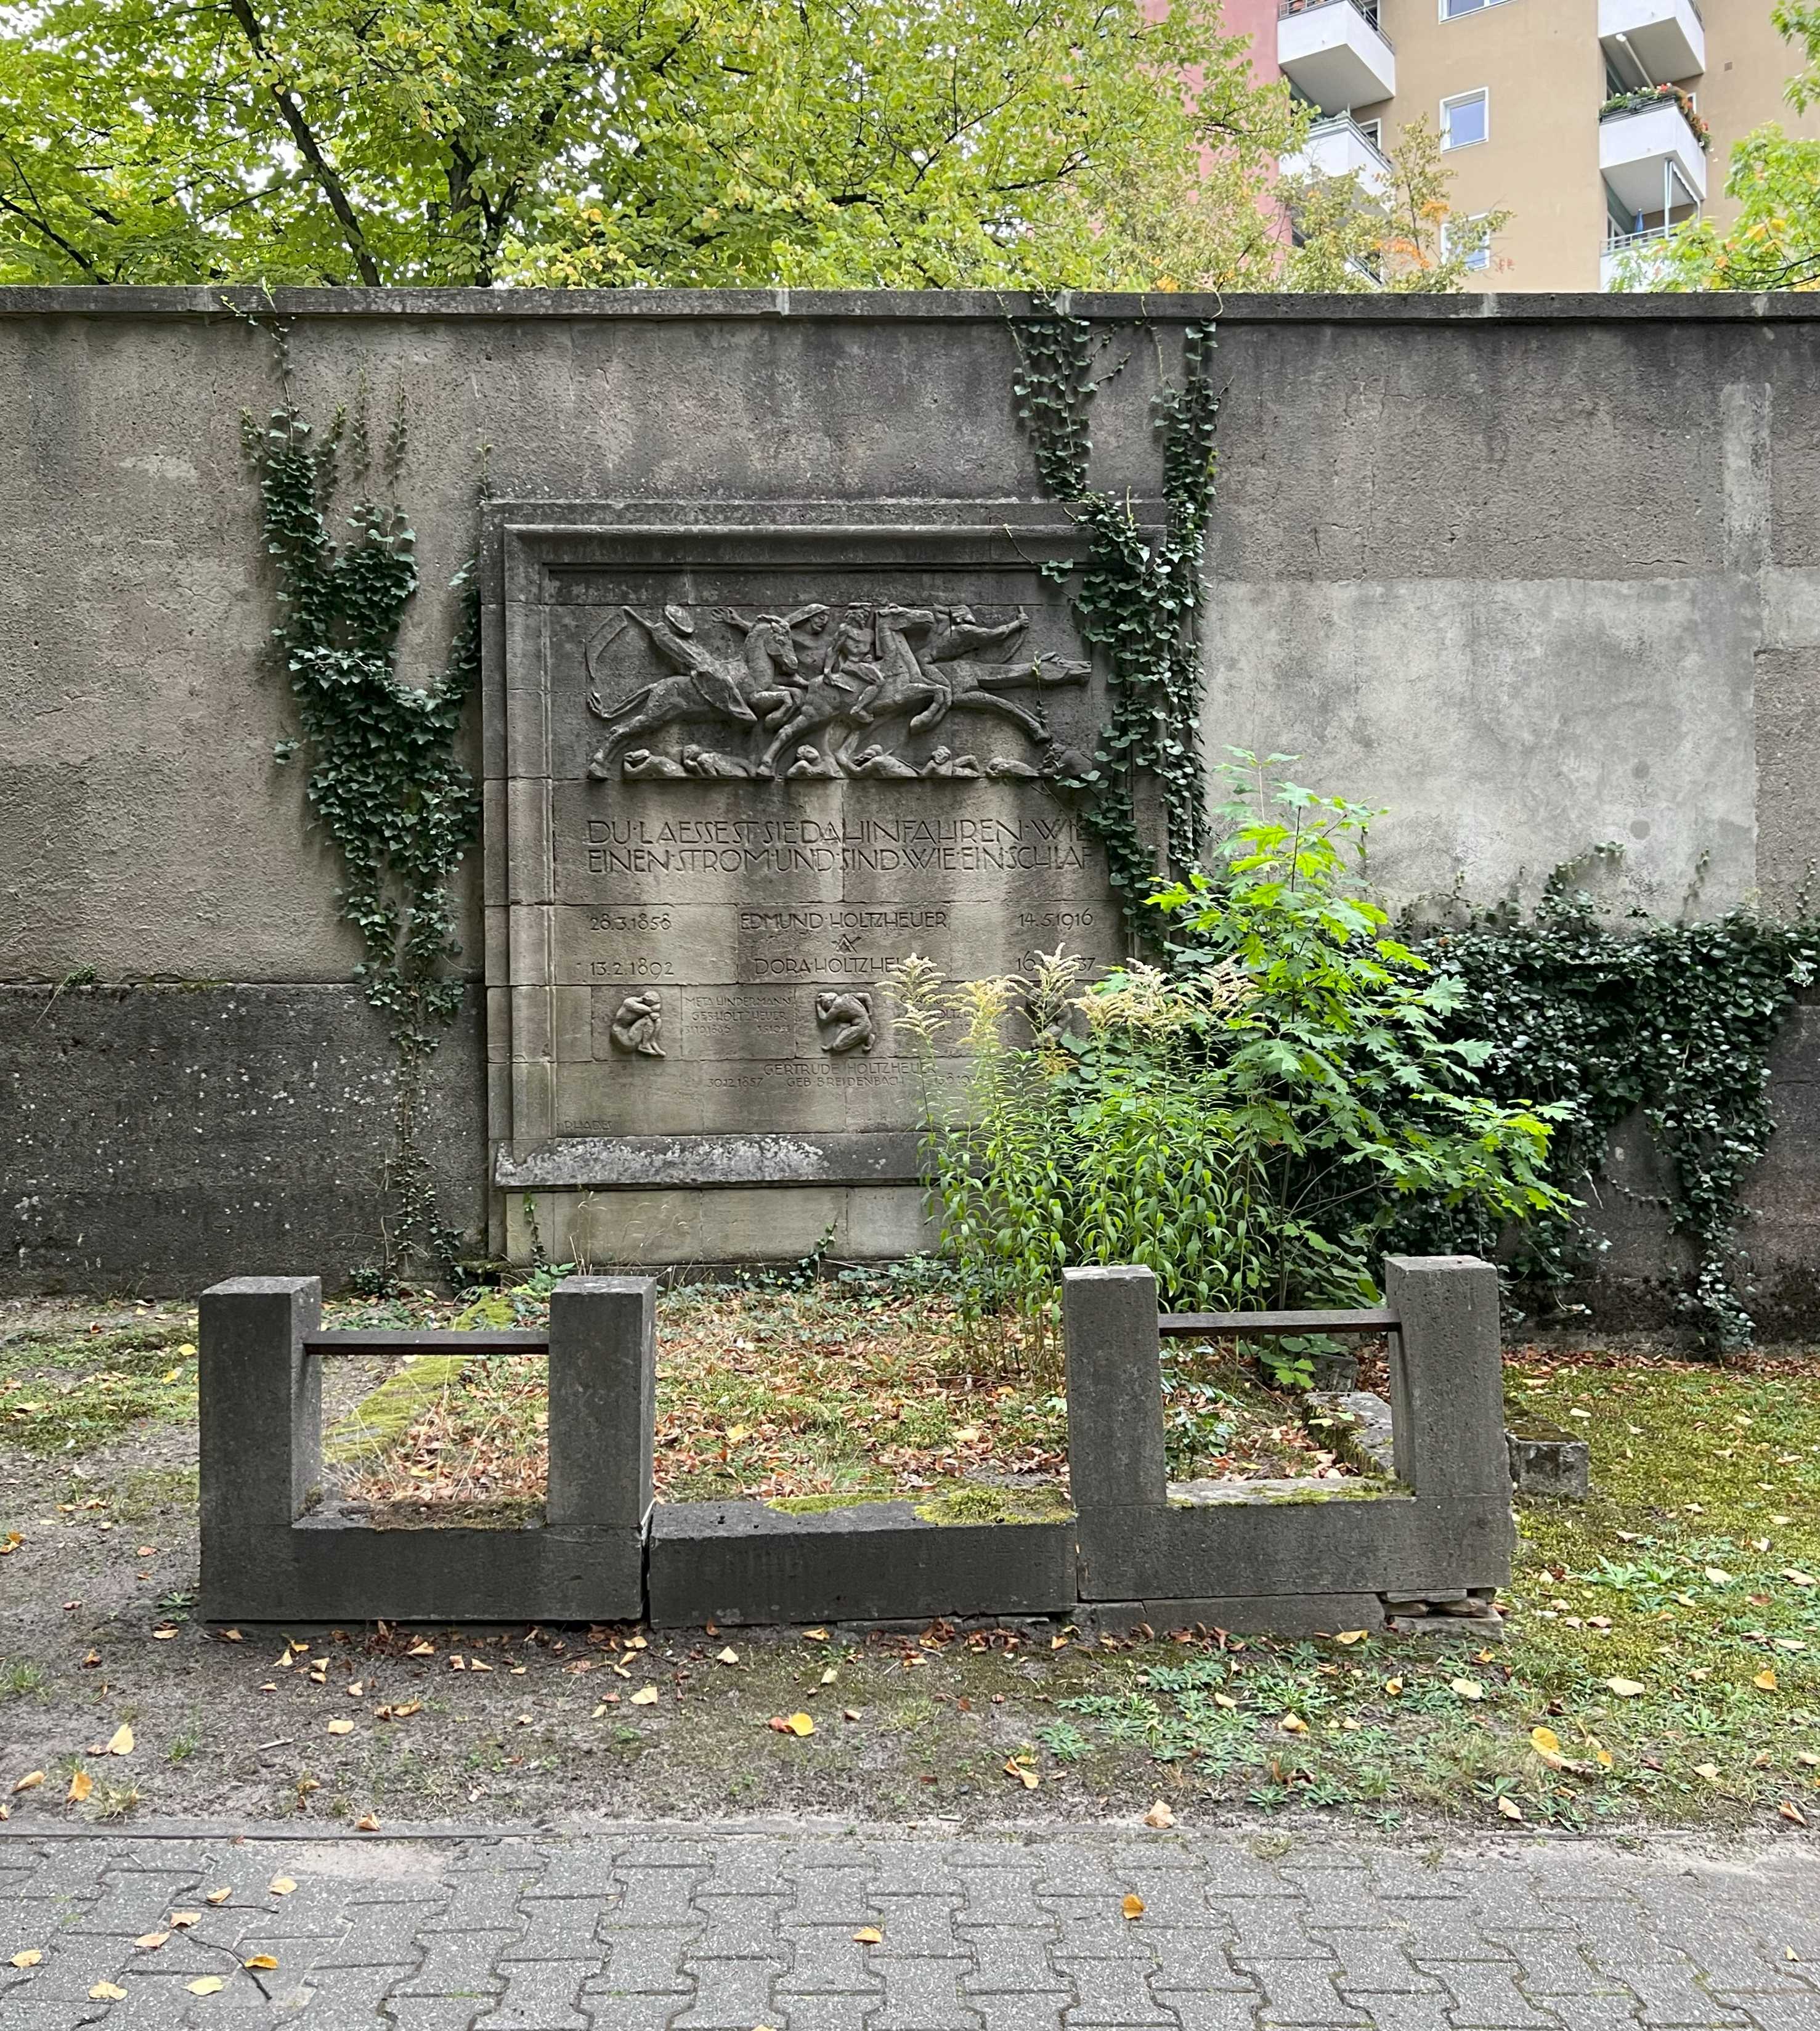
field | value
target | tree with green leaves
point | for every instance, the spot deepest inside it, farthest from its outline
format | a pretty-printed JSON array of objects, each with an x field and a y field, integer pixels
[
  {"x": 1774, "y": 242},
  {"x": 1405, "y": 236},
  {"x": 607, "y": 143}
]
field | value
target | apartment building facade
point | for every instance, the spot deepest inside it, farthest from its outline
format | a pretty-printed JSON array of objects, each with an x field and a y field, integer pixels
[{"x": 1582, "y": 119}]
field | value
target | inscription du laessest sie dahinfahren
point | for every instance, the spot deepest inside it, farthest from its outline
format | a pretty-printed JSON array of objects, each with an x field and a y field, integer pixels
[{"x": 907, "y": 844}]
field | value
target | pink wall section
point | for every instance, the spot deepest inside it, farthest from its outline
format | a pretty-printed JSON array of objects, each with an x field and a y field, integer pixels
[{"x": 1257, "y": 19}]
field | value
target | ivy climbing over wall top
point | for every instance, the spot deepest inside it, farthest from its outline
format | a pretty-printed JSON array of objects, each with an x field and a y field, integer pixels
[
  {"x": 1136, "y": 595},
  {"x": 384, "y": 781}
]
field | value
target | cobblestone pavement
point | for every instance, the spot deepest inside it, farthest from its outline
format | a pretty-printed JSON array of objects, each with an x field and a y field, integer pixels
[{"x": 631, "y": 1929}]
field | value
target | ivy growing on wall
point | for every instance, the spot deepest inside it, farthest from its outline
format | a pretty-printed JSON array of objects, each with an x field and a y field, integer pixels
[
  {"x": 1136, "y": 596},
  {"x": 384, "y": 781},
  {"x": 1676, "y": 1019}
]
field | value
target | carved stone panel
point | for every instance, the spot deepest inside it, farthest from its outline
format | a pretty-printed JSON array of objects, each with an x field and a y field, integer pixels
[{"x": 741, "y": 762}]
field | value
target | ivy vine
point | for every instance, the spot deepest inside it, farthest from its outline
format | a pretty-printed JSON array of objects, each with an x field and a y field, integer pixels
[
  {"x": 1676, "y": 1019},
  {"x": 1136, "y": 596},
  {"x": 385, "y": 780}
]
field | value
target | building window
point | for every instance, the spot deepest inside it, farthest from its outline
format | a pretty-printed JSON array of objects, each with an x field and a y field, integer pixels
[
  {"x": 1465, "y": 120},
  {"x": 1451, "y": 10},
  {"x": 1373, "y": 131},
  {"x": 1468, "y": 233}
]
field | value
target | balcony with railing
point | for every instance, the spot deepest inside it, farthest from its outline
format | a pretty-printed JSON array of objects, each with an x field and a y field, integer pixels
[
  {"x": 1338, "y": 146},
  {"x": 1650, "y": 40},
  {"x": 1631, "y": 260},
  {"x": 1651, "y": 157},
  {"x": 1334, "y": 53}
]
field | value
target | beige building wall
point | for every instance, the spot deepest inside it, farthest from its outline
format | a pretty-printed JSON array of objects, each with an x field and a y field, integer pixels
[{"x": 1543, "y": 67}]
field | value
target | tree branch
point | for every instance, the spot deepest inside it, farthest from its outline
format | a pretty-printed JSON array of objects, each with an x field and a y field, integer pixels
[{"x": 292, "y": 114}]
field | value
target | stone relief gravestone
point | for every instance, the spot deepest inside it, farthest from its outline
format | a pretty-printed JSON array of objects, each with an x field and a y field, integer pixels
[{"x": 741, "y": 762}]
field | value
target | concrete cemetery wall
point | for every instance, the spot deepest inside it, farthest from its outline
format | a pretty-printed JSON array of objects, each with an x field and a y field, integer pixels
[{"x": 1533, "y": 571}]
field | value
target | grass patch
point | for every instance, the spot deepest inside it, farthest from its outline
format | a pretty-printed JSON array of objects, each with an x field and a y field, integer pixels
[
  {"x": 64, "y": 1392},
  {"x": 1666, "y": 1634}
]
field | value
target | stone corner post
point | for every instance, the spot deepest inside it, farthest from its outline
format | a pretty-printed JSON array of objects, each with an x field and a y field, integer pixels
[
  {"x": 260, "y": 1419},
  {"x": 1447, "y": 1379},
  {"x": 603, "y": 1400},
  {"x": 1115, "y": 1456}
]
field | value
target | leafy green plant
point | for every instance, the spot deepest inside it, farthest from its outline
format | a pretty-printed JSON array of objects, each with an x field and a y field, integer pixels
[
  {"x": 1250, "y": 1126},
  {"x": 1598, "y": 1018},
  {"x": 1342, "y": 1082},
  {"x": 385, "y": 780}
]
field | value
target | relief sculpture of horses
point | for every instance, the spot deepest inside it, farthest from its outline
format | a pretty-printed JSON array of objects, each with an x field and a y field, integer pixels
[{"x": 704, "y": 686}]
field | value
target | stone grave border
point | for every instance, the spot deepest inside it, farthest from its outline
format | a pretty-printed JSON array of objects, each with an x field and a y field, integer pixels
[{"x": 1436, "y": 1538}]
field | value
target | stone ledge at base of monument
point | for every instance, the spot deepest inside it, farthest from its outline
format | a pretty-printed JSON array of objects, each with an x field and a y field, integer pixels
[
  {"x": 744, "y": 1562},
  {"x": 1424, "y": 1541}
]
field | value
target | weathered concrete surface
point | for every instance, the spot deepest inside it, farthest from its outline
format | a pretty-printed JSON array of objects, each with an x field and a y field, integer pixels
[
  {"x": 154, "y": 1137},
  {"x": 744, "y": 1562},
  {"x": 1532, "y": 572}
]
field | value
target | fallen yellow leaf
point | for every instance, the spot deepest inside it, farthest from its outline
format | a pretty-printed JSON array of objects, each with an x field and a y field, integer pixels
[
  {"x": 341, "y": 1725},
  {"x": 1709, "y": 1771},
  {"x": 1132, "y": 1907},
  {"x": 1352, "y": 1636},
  {"x": 1765, "y": 1681},
  {"x": 180, "y": 1919},
  {"x": 801, "y": 1725},
  {"x": 1719, "y": 1576},
  {"x": 1292, "y": 1724},
  {"x": 1160, "y": 1816},
  {"x": 1468, "y": 1689},
  {"x": 263, "y": 1962},
  {"x": 829, "y": 1676},
  {"x": 1509, "y": 1808},
  {"x": 1547, "y": 1744},
  {"x": 220, "y": 1894},
  {"x": 30, "y": 1782},
  {"x": 1226, "y": 1700},
  {"x": 1625, "y": 1688},
  {"x": 29, "y": 1959},
  {"x": 647, "y": 1695},
  {"x": 80, "y": 1785},
  {"x": 149, "y": 1943},
  {"x": 869, "y": 1935},
  {"x": 104, "y": 1992},
  {"x": 1790, "y": 1810},
  {"x": 729, "y": 1655},
  {"x": 367, "y": 1824},
  {"x": 120, "y": 1743},
  {"x": 1392, "y": 1686},
  {"x": 206, "y": 1984},
  {"x": 279, "y": 1886}
]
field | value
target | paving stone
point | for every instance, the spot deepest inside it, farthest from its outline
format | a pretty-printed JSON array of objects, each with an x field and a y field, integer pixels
[
  {"x": 919, "y": 1925},
  {"x": 1669, "y": 1987},
  {"x": 1173, "y": 1897},
  {"x": 1337, "y": 1897},
  {"x": 1218, "y": 2009},
  {"x": 827, "y": 1958},
  {"x": 1007, "y": 1960},
  {"x": 730, "y": 1996},
  {"x": 1095, "y": 1927},
  {"x": 1485, "y": 1994},
  {"x": 541, "y": 1996},
  {"x": 1405, "y": 2012},
  {"x": 1069, "y": 1871},
  {"x": 558, "y": 1929},
  {"x": 432, "y": 2013},
  {"x": 922, "y": 1995},
  {"x": 1109, "y": 1991},
  {"x": 816, "y": 2013},
  {"x": 1785, "y": 2013},
  {"x": 1003, "y": 1896},
  {"x": 647, "y": 1962},
  {"x": 740, "y": 1928},
  {"x": 347, "y": 1995},
  {"x": 1447, "y": 1932},
  {"x": 375, "y": 1936},
  {"x": 1596, "y": 2013},
  {"x": 582, "y": 1868},
  {"x": 483, "y": 1901},
  {"x": 1191, "y": 1957},
  {"x": 1376, "y": 1964},
  {"x": 655, "y": 1896},
  {"x": 1271, "y": 1929},
  {"x": 1300, "y": 1992},
  {"x": 1008, "y": 2012},
  {"x": 459, "y": 1964},
  {"x": 834, "y": 1896}
]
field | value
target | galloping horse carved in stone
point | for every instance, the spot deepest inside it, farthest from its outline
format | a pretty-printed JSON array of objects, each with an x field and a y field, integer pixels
[
  {"x": 705, "y": 686},
  {"x": 926, "y": 691}
]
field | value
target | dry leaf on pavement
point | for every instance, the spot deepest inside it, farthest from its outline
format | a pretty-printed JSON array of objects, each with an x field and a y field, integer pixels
[
  {"x": 1132, "y": 1907},
  {"x": 1160, "y": 1816}
]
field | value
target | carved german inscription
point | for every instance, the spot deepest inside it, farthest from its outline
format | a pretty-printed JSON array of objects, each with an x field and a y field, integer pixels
[{"x": 746, "y": 770}]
